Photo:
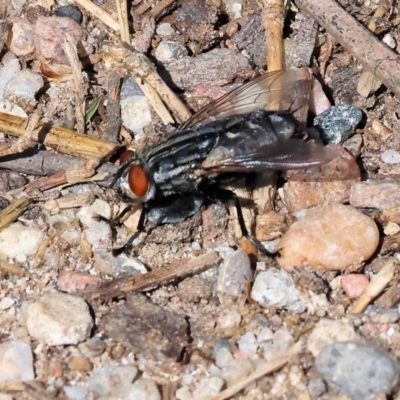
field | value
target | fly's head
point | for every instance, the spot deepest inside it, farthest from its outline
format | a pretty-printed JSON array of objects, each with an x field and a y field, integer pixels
[{"x": 133, "y": 179}]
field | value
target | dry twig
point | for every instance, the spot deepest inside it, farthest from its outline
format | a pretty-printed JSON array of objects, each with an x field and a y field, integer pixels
[
  {"x": 120, "y": 286},
  {"x": 375, "y": 287},
  {"x": 260, "y": 372},
  {"x": 99, "y": 13},
  {"x": 273, "y": 18},
  {"x": 8, "y": 268},
  {"x": 80, "y": 86},
  {"x": 13, "y": 211},
  {"x": 58, "y": 138},
  {"x": 157, "y": 10},
  {"x": 140, "y": 67},
  {"x": 374, "y": 55},
  {"x": 122, "y": 11}
]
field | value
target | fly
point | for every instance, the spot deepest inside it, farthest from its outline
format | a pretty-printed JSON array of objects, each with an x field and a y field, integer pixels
[{"x": 251, "y": 129}]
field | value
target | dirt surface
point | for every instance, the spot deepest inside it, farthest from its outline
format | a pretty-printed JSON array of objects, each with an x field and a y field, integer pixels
[{"x": 190, "y": 335}]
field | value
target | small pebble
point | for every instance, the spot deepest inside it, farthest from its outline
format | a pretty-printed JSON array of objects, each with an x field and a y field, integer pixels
[
  {"x": 279, "y": 344},
  {"x": 69, "y": 12},
  {"x": 76, "y": 392},
  {"x": 8, "y": 71},
  {"x": 233, "y": 276},
  {"x": 122, "y": 264},
  {"x": 358, "y": 370},
  {"x": 89, "y": 214},
  {"x": 99, "y": 235},
  {"x": 265, "y": 335},
  {"x": 207, "y": 388},
  {"x": 379, "y": 194},
  {"x": 247, "y": 344},
  {"x": 165, "y": 29},
  {"x": 59, "y": 319},
  {"x": 276, "y": 288},
  {"x": 73, "y": 281},
  {"x": 168, "y": 51},
  {"x": 20, "y": 40},
  {"x": 22, "y": 88},
  {"x": 236, "y": 371},
  {"x": 16, "y": 361},
  {"x": 228, "y": 320},
  {"x": 18, "y": 239},
  {"x": 316, "y": 387},
  {"x": 332, "y": 236},
  {"x": 354, "y": 284},
  {"x": 6, "y": 303},
  {"x": 328, "y": 331},
  {"x": 106, "y": 381},
  {"x": 142, "y": 389},
  {"x": 390, "y": 157},
  {"x": 136, "y": 114},
  {"x": 319, "y": 102},
  {"x": 223, "y": 357},
  {"x": 50, "y": 34},
  {"x": 338, "y": 123}
]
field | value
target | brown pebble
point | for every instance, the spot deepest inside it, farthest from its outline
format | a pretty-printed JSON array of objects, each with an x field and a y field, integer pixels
[
  {"x": 269, "y": 226},
  {"x": 332, "y": 237},
  {"x": 20, "y": 40},
  {"x": 80, "y": 363}
]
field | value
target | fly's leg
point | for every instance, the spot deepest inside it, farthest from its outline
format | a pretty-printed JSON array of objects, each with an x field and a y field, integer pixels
[
  {"x": 226, "y": 195},
  {"x": 139, "y": 230}
]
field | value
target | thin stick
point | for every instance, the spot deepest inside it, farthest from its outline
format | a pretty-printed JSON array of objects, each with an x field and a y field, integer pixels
[
  {"x": 138, "y": 65},
  {"x": 375, "y": 287},
  {"x": 260, "y": 372},
  {"x": 122, "y": 11},
  {"x": 80, "y": 86},
  {"x": 60, "y": 139},
  {"x": 156, "y": 11},
  {"x": 13, "y": 211},
  {"x": 11, "y": 268},
  {"x": 119, "y": 286},
  {"x": 99, "y": 13},
  {"x": 368, "y": 50},
  {"x": 273, "y": 18}
]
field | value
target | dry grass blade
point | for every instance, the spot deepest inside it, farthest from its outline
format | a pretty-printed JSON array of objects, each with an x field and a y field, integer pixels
[
  {"x": 117, "y": 287},
  {"x": 13, "y": 211},
  {"x": 10, "y": 268},
  {"x": 80, "y": 86},
  {"x": 99, "y": 13},
  {"x": 273, "y": 18},
  {"x": 122, "y": 11},
  {"x": 25, "y": 141},
  {"x": 139, "y": 66},
  {"x": 60, "y": 139},
  {"x": 156, "y": 11},
  {"x": 260, "y": 372},
  {"x": 375, "y": 287}
]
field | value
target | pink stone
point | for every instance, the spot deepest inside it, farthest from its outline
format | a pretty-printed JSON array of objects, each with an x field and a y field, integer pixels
[
  {"x": 73, "y": 281},
  {"x": 21, "y": 38},
  {"x": 51, "y": 34},
  {"x": 354, "y": 284}
]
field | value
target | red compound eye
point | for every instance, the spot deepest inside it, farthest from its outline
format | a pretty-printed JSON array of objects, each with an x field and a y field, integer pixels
[
  {"x": 138, "y": 181},
  {"x": 125, "y": 156}
]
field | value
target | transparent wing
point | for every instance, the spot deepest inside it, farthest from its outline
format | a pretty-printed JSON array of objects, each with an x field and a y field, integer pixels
[
  {"x": 290, "y": 154},
  {"x": 279, "y": 90}
]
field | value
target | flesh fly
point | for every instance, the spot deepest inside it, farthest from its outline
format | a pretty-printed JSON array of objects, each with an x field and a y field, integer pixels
[{"x": 251, "y": 129}]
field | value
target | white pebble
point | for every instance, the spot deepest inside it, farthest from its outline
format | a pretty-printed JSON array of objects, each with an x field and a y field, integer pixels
[
  {"x": 276, "y": 288},
  {"x": 136, "y": 114},
  {"x": 265, "y": 335},
  {"x": 230, "y": 319},
  {"x": 248, "y": 344},
  {"x": 390, "y": 157},
  {"x": 76, "y": 392},
  {"x": 88, "y": 215},
  {"x": 19, "y": 239},
  {"x": 142, "y": 389},
  {"x": 207, "y": 388},
  {"x": 99, "y": 235},
  {"x": 165, "y": 29},
  {"x": 59, "y": 319},
  {"x": 6, "y": 302},
  {"x": 168, "y": 51},
  {"x": 16, "y": 361},
  {"x": 223, "y": 357}
]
